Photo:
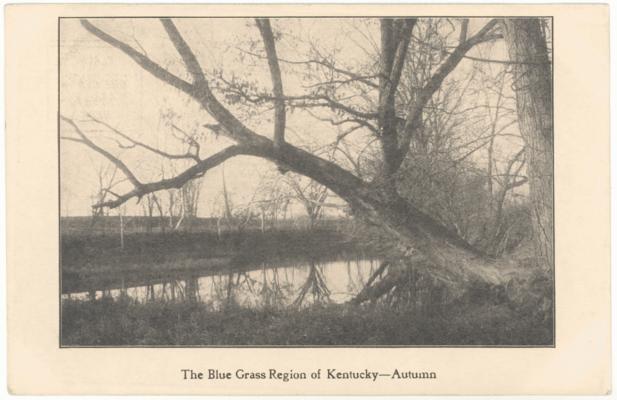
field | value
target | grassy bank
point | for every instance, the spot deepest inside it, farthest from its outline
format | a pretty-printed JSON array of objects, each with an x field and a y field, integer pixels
[{"x": 107, "y": 322}]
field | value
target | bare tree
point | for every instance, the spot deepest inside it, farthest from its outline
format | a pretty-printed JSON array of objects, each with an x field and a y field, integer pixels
[
  {"x": 236, "y": 216},
  {"x": 106, "y": 180},
  {"x": 311, "y": 195},
  {"x": 152, "y": 202},
  {"x": 392, "y": 121},
  {"x": 190, "y": 200}
]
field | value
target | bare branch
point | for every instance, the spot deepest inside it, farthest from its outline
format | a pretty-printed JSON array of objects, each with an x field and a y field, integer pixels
[
  {"x": 192, "y": 65},
  {"x": 353, "y": 75},
  {"x": 486, "y": 38},
  {"x": 325, "y": 101},
  {"x": 143, "y": 61},
  {"x": 357, "y": 121},
  {"x": 85, "y": 140},
  {"x": 189, "y": 138},
  {"x": 340, "y": 82},
  {"x": 401, "y": 52},
  {"x": 463, "y": 35},
  {"x": 179, "y": 180},
  {"x": 72, "y": 139},
  {"x": 328, "y": 173},
  {"x": 137, "y": 143},
  {"x": 277, "y": 82},
  {"x": 312, "y": 100},
  {"x": 235, "y": 129},
  {"x": 414, "y": 116}
]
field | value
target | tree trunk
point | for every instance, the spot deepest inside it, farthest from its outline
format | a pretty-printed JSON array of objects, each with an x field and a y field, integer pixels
[
  {"x": 452, "y": 259},
  {"x": 533, "y": 86},
  {"x": 447, "y": 257}
]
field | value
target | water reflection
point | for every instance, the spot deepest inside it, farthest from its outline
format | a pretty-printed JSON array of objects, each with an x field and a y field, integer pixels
[
  {"x": 268, "y": 286},
  {"x": 315, "y": 286}
]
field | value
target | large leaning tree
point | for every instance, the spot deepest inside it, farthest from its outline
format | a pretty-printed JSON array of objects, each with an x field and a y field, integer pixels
[{"x": 394, "y": 92}]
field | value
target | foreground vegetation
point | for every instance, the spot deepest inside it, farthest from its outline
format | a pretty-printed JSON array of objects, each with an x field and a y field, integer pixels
[{"x": 108, "y": 322}]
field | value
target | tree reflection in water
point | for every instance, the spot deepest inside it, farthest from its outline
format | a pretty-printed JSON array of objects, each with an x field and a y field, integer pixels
[
  {"x": 269, "y": 286},
  {"x": 273, "y": 294},
  {"x": 401, "y": 285},
  {"x": 314, "y": 286}
]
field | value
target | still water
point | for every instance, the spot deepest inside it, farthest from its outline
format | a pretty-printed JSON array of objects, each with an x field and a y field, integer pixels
[{"x": 267, "y": 285}]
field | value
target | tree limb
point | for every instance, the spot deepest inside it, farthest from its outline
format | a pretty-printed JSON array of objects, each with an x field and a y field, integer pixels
[
  {"x": 85, "y": 140},
  {"x": 401, "y": 53},
  {"x": 277, "y": 83},
  {"x": 415, "y": 113},
  {"x": 330, "y": 103},
  {"x": 353, "y": 75},
  {"x": 134, "y": 143},
  {"x": 192, "y": 65},
  {"x": 395, "y": 37},
  {"x": 463, "y": 35},
  {"x": 234, "y": 128},
  {"x": 179, "y": 180},
  {"x": 143, "y": 61}
]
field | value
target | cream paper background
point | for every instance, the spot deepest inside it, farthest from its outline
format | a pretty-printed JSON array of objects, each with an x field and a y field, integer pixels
[{"x": 580, "y": 362}]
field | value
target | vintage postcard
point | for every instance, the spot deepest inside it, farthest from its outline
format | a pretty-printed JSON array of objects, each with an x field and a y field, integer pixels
[{"x": 303, "y": 199}]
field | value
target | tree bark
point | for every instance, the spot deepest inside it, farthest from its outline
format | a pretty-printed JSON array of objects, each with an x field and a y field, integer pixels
[
  {"x": 449, "y": 258},
  {"x": 533, "y": 86}
]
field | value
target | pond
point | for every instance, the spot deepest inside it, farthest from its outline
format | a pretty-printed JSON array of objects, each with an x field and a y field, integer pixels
[{"x": 260, "y": 286}]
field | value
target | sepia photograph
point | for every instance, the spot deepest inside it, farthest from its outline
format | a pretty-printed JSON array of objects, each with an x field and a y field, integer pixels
[{"x": 306, "y": 181}]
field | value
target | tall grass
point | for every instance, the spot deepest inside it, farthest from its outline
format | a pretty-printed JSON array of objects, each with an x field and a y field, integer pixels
[{"x": 108, "y": 322}]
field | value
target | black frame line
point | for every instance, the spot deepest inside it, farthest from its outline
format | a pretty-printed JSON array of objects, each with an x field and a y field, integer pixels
[{"x": 61, "y": 346}]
